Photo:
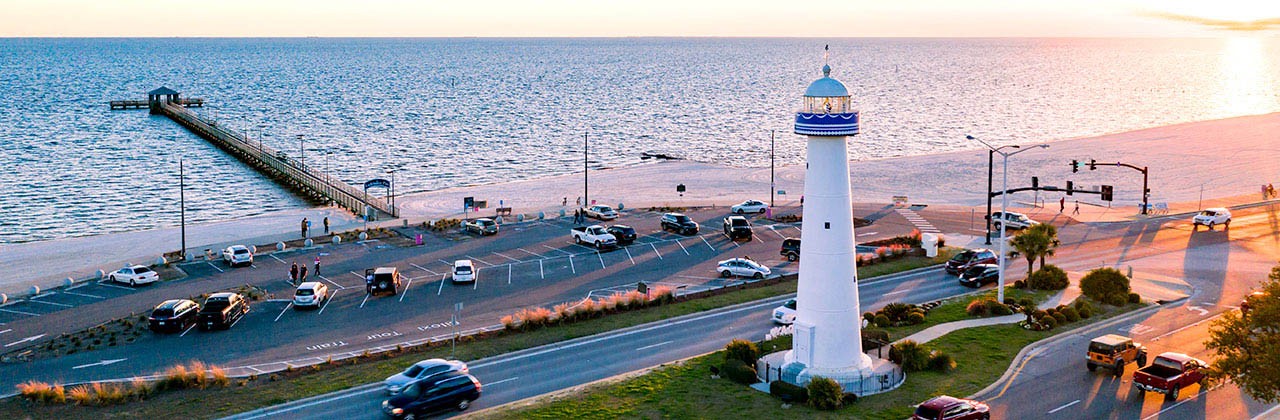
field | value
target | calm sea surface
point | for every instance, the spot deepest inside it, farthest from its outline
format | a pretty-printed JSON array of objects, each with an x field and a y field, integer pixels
[{"x": 452, "y": 112}]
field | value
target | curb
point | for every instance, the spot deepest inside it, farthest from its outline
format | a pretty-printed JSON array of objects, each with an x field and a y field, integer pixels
[{"x": 1049, "y": 340}]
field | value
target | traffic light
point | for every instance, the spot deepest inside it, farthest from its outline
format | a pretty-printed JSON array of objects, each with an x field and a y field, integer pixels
[
  {"x": 1035, "y": 182},
  {"x": 1075, "y": 166},
  {"x": 1106, "y": 193},
  {"x": 1092, "y": 163},
  {"x": 1069, "y": 187}
]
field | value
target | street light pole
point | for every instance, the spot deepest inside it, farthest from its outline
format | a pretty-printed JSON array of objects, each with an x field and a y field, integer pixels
[
  {"x": 585, "y": 199},
  {"x": 772, "y": 187},
  {"x": 990, "y": 174},
  {"x": 1004, "y": 207},
  {"x": 182, "y": 207}
]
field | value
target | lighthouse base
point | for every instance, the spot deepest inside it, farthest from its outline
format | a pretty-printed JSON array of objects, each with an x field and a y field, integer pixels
[{"x": 873, "y": 377}]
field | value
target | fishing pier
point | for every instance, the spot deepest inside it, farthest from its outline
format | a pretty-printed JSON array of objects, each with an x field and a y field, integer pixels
[{"x": 274, "y": 163}]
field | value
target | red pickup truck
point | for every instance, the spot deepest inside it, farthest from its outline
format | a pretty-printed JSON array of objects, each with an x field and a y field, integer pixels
[{"x": 1169, "y": 373}]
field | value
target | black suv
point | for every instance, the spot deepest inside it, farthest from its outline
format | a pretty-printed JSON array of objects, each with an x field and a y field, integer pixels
[
  {"x": 432, "y": 394},
  {"x": 969, "y": 258},
  {"x": 173, "y": 315},
  {"x": 737, "y": 227},
  {"x": 791, "y": 249},
  {"x": 222, "y": 310},
  {"x": 623, "y": 233},
  {"x": 679, "y": 223}
]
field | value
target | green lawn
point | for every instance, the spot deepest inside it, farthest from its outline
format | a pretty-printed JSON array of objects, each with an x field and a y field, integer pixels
[
  {"x": 686, "y": 390},
  {"x": 954, "y": 310}
]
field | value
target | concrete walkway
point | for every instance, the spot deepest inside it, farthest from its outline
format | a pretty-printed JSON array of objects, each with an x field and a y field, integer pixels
[{"x": 932, "y": 333}]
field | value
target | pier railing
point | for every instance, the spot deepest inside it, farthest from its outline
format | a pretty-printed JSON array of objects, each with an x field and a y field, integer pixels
[{"x": 277, "y": 164}]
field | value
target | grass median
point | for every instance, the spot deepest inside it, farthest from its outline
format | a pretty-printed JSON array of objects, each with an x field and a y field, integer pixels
[
  {"x": 687, "y": 390},
  {"x": 267, "y": 390}
]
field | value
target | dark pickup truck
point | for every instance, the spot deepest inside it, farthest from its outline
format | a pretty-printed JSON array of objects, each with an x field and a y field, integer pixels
[
  {"x": 222, "y": 310},
  {"x": 1168, "y": 374}
]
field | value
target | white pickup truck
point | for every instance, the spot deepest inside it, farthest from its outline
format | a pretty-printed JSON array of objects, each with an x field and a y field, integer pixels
[{"x": 595, "y": 235}]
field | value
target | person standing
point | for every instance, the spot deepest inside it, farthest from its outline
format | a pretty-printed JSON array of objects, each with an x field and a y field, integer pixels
[
  {"x": 326, "y": 225},
  {"x": 302, "y": 274},
  {"x": 1062, "y": 205},
  {"x": 304, "y": 228},
  {"x": 317, "y": 270},
  {"x": 293, "y": 274},
  {"x": 1077, "y": 210}
]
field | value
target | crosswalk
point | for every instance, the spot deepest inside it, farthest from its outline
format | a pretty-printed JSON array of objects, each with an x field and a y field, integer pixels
[{"x": 917, "y": 221}]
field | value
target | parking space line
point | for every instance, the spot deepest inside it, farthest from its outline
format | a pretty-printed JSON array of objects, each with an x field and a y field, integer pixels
[
  {"x": 277, "y": 258},
  {"x": 214, "y": 266},
  {"x": 282, "y": 311},
  {"x": 655, "y": 250},
  {"x": 686, "y": 250},
  {"x": 83, "y": 294},
  {"x": 406, "y": 290},
  {"x": 104, "y": 283},
  {"x": 445, "y": 262},
  {"x": 340, "y": 287},
  {"x": 184, "y": 332},
  {"x": 366, "y": 299},
  {"x": 475, "y": 281},
  {"x": 50, "y": 303},
  {"x": 424, "y": 269},
  {"x": 5, "y": 331},
  {"x": 326, "y": 301},
  {"x": 775, "y": 231},
  {"x": 704, "y": 240},
  {"x": 541, "y": 273},
  {"x": 575, "y": 270},
  {"x": 633, "y": 260},
  {"x": 557, "y": 249},
  {"x": 505, "y": 256},
  {"x": 77, "y": 286},
  {"x": 601, "y": 260},
  {"x": 532, "y": 253},
  {"x": 584, "y": 247},
  {"x": 508, "y": 273},
  {"x": 18, "y": 312},
  {"x": 442, "y": 277},
  {"x": 480, "y": 260}
]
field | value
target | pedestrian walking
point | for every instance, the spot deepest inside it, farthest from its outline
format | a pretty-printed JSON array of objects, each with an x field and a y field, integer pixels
[
  {"x": 1271, "y": 190},
  {"x": 304, "y": 228},
  {"x": 1062, "y": 205},
  {"x": 564, "y": 202},
  {"x": 1077, "y": 210},
  {"x": 317, "y": 270},
  {"x": 302, "y": 274},
  {"x": 326, "y": 225},
  {"x": 293, "y": 274}
]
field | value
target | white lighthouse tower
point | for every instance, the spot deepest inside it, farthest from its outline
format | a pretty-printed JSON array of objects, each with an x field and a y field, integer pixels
[{"x": 827, "y": 341}]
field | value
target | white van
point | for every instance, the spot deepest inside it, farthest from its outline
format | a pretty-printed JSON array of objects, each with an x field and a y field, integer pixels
[{"x": 464, "y": 271}]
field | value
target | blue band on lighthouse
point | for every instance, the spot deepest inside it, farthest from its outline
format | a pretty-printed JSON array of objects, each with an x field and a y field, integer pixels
[{"x": 845, "y": 124}]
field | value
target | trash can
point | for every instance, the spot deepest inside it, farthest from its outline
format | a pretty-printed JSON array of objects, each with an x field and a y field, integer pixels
[{"x": 929, "y": 242}]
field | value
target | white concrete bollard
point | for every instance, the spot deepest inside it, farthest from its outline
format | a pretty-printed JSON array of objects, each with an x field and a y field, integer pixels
[
  {"x": 542, "y": 215},
  {"x": 253, "y": 249},
  {"x": 191, "y": 257},
  {"x": 161, "y": 261},
  {"x": 364, "y": 236},
  {"x": 406, "y": 222},
  {"x": 308, "y": 243},
  {"x": 35, "y": 290},
  {"x": 561, "y": 212},
  {"x": 279, "y": 246},
  {"x": 621, "y": 207},
  {"x": 4, "y": 298},
  {"x": 497, "y": 219},
  {"x": 70, "y": 281},
  {"x": 101, "y": 274},
  {"x": 520, "y": 217},
  {"x": 337, "y": 239}
]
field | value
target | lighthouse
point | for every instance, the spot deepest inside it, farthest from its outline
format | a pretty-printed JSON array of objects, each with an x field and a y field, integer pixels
[{"x": 827, "y": 339}]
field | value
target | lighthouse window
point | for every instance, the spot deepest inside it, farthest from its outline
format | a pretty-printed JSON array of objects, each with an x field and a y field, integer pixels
[{"x": 826, "y": 225}]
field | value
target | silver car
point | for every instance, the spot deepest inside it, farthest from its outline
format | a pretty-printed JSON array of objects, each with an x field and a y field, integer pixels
[{"x": 421, "y": 370}]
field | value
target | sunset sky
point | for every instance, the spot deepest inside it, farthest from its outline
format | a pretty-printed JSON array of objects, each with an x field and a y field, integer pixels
[{"x": 557, "y": 18}]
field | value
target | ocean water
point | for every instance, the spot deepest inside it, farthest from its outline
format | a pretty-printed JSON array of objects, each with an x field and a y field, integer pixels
[{"x": 451, "y": 112}]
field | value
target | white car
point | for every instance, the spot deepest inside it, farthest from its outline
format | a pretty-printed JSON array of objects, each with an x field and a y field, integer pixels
[
  {"x": 134, "y": 275},
  {"x": 1011, "y": 220},
  {"x": 1212, "y": 217},
  {"x": 742, "y": 267},
  {"x": 310, "y": 294},
  {"x": 464, "y": 271},
  {"x": 602, "y": 212},
  {"x": 237, "y": 254},
  {"x": 785, "y": 314},
  {"x": 749, "y": 206}
]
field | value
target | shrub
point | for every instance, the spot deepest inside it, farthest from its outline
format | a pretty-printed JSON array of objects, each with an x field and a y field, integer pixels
[
  {"x": 1086, "y": 313},
  {"x": 1134, "y": 298},
  {"x": 1116, "y": 300},
  {"x": 220, "y": 376},
  {"x": 1049, "y": 277},
  {"x": 849, "y": 398},
  {"x": 1060, "y": 318},
  {"x": 1027, "y": 302},
  {"x": 824, "y": 393},
  {"x": 109, "y": 393},
  {"x": 978, "y": 307},
  {"x": 1071, "y": 314},
  {"x": 80, "y": 395},
  {"x": 868, "y": 316},
  {"x": 743, "y": 350},
  {"x": 997, "y": 308},
  {"x": 1019, "y": 284},
  {"x": 42, "y": 392},
  {"x": 897, "y": 311},
  {"x": 786, "y": 390},
  {"x": 1103, "y": 283},
  {"x": 941, "y": 362},
  {"x": 912, "y": 356},
  {"x": 141, "y": 388},
  {"x": 882, "y": 321},
  {"x": 1009, "y": 301},
  {"x": 738, "y": 371},
  {"x": 1049, "y": 322},
  {"x": 872, "y": 337},
  {"x": 915, "y": 318}
]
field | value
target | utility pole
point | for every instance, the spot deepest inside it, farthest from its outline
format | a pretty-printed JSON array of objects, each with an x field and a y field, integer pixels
[
  {"x": 182, "y": 206},
  {"x": 772, "y": 187},
  {"x": 991, "y": 154},
  {"x": 585, "y": 199}
]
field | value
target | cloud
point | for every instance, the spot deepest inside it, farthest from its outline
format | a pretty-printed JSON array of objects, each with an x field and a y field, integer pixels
[{"x": 1223, "y": 24}]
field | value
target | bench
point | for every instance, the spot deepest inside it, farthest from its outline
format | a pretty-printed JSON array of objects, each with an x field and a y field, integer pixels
[{"x": 501, "y": 211}]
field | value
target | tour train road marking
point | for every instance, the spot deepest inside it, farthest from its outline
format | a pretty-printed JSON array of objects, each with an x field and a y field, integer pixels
[
  {"x": 424, "y": 269},
  {"x": 633, "y": 260},
  {"x": 406, "y": 290},
  {"x": 532, "y": 253},
  {"x": 653, "y": 345},
  {"x": 1064, "y": 406},
  {"x": 282, "y": 311},
  {"x": 655, "y": 250},
  {"x": 326, "y": 301},
  {"x": 506, "y": 256},
  {"x": 686, "y": 250}
]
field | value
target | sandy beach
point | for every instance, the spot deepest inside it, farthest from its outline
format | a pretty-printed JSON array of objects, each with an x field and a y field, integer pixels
[{"x": 1192, "y": 165}]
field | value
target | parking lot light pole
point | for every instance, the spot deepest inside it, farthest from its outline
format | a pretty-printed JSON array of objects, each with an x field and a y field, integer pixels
[
  {"x": 1004, "y": 207},
  {"x": 772, "y": 187}
]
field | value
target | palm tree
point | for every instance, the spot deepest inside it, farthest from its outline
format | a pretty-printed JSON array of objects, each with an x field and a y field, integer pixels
[
  {"x": 1030, "y": 245},
  {"x": 1051, "y": 232}
]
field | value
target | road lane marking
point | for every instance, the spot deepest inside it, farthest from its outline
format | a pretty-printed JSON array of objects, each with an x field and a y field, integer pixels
[
  {"x": 1185, "y": 327},
  {"x": 326, "y": 301},
  {"x": 31, "y": 338},
  {"x": 1064, "y": 406},
  {"x": 18, "y": 312},
  {"x": 704, "y": 240},
  {"x": 652, "y": 346},
  {"x": 101, "y": 363},
  {"x": 442, "y": 277},
  {"x": 505, "y": 256},
  {"x": 655, "y": 250},
  {"x": 504, "y": 380},
  {"x": 340, "y": 287},
  {"x": 282, "y": 311},
  {"x": 406, "y": 290},
  {"x": 557, "y": 249},
  {"x": 532, "y": 253},
  {"x": 480, "y": 260},
  {"x": 50, "y": 303},
  {"x": 5, "y": 331},
  {"x": 366, "y": 299},
  {"x": 214, "y": 267},
  {"x": 184, "y": 332},
  {"x": 83, "y": 294},
  {"x": 601, "y": 260},
  {"x": 686, "y": 250},
  {"x": 633, "y": 260},
  {"x": 575, "y": 270},
  {"x": 424, "y": 269},
  {"x": 896, "y": 293}
]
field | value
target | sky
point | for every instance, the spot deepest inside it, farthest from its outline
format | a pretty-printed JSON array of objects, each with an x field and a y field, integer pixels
[{"x": 613, "y": 18}]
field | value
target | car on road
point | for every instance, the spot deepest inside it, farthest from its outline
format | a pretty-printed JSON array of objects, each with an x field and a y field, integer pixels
[
  {"x": 1011, "y": 220},
  {"x": 737, "y": 227},
  {"x": 1169, "y": 373},
  {"x": 980, "y": 274},
  {"x": 222, "y": 310},
  {"x": 595, "y": 235},
  {"x": 785, "y": 314},
  {"x": 969, "y": 258},
  {"x": 1211, "y": 217},
  {"x": 602, "y": 212},
  {"x": 481, "y": 226},
  {"x": 422, "y": 370},
  {"x": 1252, "y": 299},
  {"x": 742, "y": 267},
  {"x": 791, "y": 249},
  {"x": 236, "y": 255},
  {"x": 432, "y": 395},
  {"x": 951, "y": 408},
  {"x": 625, "y": 235},
  {"x": 310, "y": 294},
  {"x": 134, "y": 275},
  {"x": 382, "y": 280},
  {"x": 464, "y": 271},
  {"x": 679, "y": 223},
  {"x": 1114, "y": 352},
  {"x": 749, "y": 206},
  {"x": 173, "y": 315}
]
